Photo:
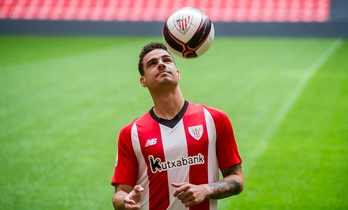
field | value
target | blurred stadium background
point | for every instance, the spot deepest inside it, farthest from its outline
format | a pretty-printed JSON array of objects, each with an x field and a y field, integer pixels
[
  {"x": 138, "y": 17},
  {"x": 68, "y": 83}
]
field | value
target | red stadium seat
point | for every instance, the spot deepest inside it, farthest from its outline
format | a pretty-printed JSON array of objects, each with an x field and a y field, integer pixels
[{"x": 159, "y": 10}]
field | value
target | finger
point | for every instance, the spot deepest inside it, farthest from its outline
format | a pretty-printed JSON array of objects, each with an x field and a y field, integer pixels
[
  {"x": 132, "y": 206},
  {"x": 185, "y": 196},
  {"x": 129, "y": 201},
  {"x": 179, "y": 192},
  {"x": 181, "y": 188},
  {"x": 190, "y": 203},
  {"x": 187, "y": 199},
  {"x": 138, "y": 188},
  {"x": 177, "y": 184}
]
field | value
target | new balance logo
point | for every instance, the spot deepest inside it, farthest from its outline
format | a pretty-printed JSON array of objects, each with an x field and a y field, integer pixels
[{"x": 151, "y": 142}]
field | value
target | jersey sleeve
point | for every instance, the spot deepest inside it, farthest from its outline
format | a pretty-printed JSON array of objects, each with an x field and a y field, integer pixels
[
  {"x": 126, "y": 162},
  {"x": 226, "y": 146}
]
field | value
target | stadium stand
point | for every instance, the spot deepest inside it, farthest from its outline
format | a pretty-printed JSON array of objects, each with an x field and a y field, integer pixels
[
  {"x": 339, "y": 10},
  {"x": 159, "y": 10}
]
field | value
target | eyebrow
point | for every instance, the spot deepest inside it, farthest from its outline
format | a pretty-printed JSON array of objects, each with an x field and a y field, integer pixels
[{"x": 153, "y": 59}]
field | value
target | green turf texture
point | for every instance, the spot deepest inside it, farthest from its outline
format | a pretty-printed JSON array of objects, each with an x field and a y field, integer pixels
[{"x": 63, "y": 101}]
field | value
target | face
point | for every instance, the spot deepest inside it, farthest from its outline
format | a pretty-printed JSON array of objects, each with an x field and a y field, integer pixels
[{"x": 159, "y": 69}]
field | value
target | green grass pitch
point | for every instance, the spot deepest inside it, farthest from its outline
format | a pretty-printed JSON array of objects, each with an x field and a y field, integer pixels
[{"x": 63, "y": 101}]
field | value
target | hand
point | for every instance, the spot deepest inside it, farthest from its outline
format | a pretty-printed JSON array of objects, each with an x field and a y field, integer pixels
[
  {"x": 132, "y": 200},
  {"x": 190, "y": 194}
]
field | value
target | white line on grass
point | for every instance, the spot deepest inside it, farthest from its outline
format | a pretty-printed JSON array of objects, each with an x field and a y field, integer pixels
[{"x": 273, "y": 126}]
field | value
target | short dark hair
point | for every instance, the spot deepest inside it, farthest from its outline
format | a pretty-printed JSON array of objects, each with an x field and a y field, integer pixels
[{"x": 146, "y": 49}]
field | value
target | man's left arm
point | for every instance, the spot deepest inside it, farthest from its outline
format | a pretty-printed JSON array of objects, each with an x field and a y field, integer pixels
[{"x": 231, "y": 184}]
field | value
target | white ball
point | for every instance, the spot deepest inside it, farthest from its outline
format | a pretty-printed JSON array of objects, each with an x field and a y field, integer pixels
[{"x": 188, "y": 32}]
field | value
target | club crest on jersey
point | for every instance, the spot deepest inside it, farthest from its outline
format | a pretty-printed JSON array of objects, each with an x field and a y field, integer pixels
[
  {"x": 183, "y": 23},
  {"x": 196, "y": 131}
]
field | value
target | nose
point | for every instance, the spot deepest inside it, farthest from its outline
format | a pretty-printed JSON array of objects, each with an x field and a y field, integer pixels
[{"x": 161, "y": 64}]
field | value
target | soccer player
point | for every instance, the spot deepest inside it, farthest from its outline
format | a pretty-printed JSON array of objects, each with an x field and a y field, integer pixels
[{"x": 170, "y": 157}]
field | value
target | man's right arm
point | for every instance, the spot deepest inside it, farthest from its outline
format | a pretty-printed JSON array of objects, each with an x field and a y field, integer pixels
[
  {"x": 127, "y": 197},
  {"x": 121, "y": 191}
]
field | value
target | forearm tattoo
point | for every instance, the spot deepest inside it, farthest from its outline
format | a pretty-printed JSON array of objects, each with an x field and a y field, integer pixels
[{"x": 225, "y": 188}]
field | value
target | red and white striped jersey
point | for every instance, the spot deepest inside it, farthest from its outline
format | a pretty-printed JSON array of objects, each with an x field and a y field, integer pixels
[{"x": 190, "y": 148}]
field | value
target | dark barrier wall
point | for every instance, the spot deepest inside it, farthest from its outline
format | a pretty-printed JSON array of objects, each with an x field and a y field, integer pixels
[
  {"x": 337, "y": 26},
  {"x": 339, "y": 10},
  {"x": 104, "y": 28}
]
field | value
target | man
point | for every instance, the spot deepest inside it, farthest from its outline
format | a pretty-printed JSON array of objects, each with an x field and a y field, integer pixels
[{"x": 169, "y": 158}]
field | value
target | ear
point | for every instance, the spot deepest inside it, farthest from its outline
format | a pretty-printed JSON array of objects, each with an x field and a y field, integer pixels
[
  {"x": 178, "y": 73},
  {"x": 143, "y": 81}
]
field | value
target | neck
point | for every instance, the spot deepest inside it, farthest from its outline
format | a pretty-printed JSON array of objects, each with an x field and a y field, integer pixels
[{"x": 168, "y": 104}]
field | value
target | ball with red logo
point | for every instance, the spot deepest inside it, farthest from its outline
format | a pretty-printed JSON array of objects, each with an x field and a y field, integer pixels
[{"x": 188, "y": 32}]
